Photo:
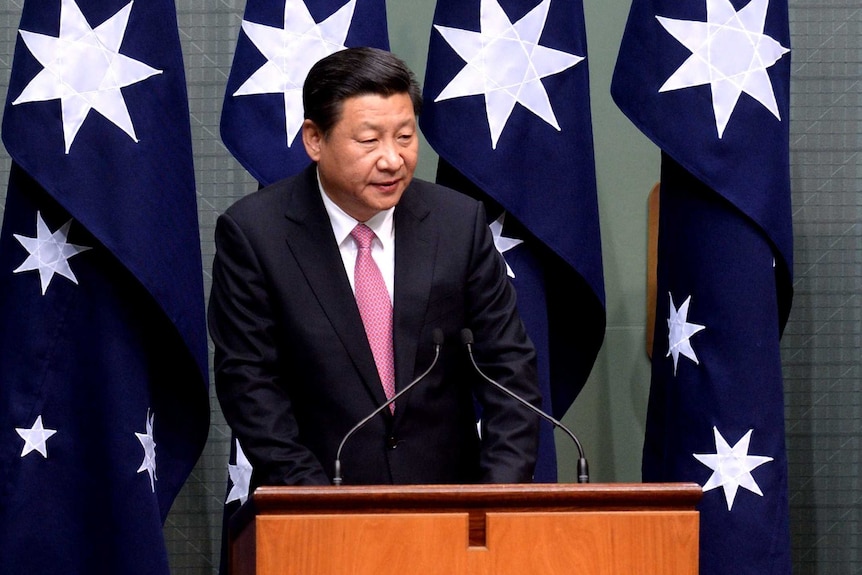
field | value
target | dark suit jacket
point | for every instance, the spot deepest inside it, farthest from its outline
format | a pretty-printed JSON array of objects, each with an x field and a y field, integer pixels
[{"x": 293, "y": 368}]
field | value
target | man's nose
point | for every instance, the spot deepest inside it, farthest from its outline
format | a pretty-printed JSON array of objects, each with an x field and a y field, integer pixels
[{"x": 390, "y": 156}]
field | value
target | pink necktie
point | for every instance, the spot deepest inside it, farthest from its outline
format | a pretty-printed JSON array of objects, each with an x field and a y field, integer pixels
[{"x": 375, "y": 307}]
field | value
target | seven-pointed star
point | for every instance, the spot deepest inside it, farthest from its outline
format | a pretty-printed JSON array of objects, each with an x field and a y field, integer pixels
[
  {"x": 148, "y": 442},
  {"x": 680, "y": 332},
  {"x": 503, "y": 244},
  {"x": 84, "y": 69},
  {"x": 731, "y": 466},
  {"x": 49, "y": 252},
  {"x": 291, "y": 52},
  {"x": 730, "y": 53},
  {"x": 35, "y": 438},
  {"x": 240, "y": 477},
  {"x": 506, "y": 63}
]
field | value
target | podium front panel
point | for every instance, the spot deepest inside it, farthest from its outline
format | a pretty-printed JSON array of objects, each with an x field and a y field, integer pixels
[{"x": 514, "y": 530}]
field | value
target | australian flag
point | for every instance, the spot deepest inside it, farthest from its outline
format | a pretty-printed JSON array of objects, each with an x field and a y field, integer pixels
[
  {"x": 279, "y": 42},
  {"x": 507, "y": 109},
  {"x": 707, "y": 81},
  {"x": 103, "y": 361}
]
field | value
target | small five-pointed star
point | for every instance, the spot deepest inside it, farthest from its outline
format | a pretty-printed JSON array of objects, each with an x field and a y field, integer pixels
[
  {"x": 680, "y": 332},
  {"x": 730, "y": 53},
  {"x": 49, "y": 252},
  {"x": 502, "y": 243},
  {"x": 148, "y": 442},
  {"x": 84, "y": 69},
  {"x": 506, "y": 63},
  {"x": 290, "y": 53},
  {"x": 731, "y": 466},
  {"x": 240, "y": 477},
  {"x": 35, "y": 438}
]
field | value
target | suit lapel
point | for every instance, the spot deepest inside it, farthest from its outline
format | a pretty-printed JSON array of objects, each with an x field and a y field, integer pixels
[
  {"x": 311, "y": 241},
  {"x": 415, "y": 249}
]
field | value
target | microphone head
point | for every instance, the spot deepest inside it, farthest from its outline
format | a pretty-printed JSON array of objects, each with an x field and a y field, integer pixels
[
  {"x": 466, "y": 336},
  {"x": 437, "y": 336}
]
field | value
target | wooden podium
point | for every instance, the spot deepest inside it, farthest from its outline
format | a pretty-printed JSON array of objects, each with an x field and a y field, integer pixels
[{"x": 545, "y": 529}]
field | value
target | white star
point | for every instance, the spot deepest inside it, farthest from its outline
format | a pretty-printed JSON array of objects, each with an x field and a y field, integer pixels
[
  {"x": 679, "y": 333},
  {"x": 49, "y": 252},
  {"x": 84, "y": 69},
  {"x": 732, "y": 466},
  {"x": 291, "y": 52},
  {"x": 240, "y": 477},
  {"x": 35, "y": 438},
  {"x": 501, "y": 243},
  {"x": 506, "y": 63},
  {"x": 730, "y": 53},
  {"x": 149, "y": 445}
]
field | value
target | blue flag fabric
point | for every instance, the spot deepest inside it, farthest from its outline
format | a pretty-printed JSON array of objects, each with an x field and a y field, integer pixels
[
  {"x": 507, "y": 109},
  {"x": 707, "y": 81},
  {"x": 279, "y": 42},
  {"x": 732, "y": 135},
  {"x": 103, "y": 363}
]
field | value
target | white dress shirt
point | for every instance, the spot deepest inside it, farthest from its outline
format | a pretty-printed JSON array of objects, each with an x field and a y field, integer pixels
[{"x": 382, "y": 247}]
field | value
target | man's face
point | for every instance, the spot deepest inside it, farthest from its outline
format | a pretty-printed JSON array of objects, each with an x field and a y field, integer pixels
[{"x": 369, "y": 156}]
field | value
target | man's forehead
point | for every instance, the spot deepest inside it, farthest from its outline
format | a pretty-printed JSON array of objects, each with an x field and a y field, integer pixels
[{"x": 366, "y": 108}]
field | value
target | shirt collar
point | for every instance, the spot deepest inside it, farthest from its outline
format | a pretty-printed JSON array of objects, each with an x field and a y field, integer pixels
[{"x": 381, "y": 223}]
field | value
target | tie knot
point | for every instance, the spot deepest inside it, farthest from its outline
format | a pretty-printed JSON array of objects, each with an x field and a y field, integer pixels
[{"x": 363, "y": 236}]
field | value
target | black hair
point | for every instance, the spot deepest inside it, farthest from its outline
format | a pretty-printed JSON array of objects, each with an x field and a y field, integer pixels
[{"x": 354, "y": 72}]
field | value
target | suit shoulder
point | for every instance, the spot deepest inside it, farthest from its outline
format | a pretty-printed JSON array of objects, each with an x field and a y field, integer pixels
[
  {"x": 273, "y": 199},
  {"x": 440, "y": 197}
]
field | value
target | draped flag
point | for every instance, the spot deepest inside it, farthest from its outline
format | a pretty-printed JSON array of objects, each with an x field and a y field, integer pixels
[
  {"x": 104, "y": 406},
  {"x": 507, "y": 109},
  {"x": 708, "y": 82},
  {"x": 262, "y": 114},
  {"x": 280, "y": 41}
]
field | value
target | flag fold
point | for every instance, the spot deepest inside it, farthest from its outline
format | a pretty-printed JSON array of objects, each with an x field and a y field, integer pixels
[
  {"x": 708, "y": 82},
  {"x": 507, "y": 109},
  {"x": 103, "y": 359}
]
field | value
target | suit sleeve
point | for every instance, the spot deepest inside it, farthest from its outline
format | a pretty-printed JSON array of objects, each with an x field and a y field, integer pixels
[
  {"x": 248, "y": 375},
  {"x": 510, "y": 432}
]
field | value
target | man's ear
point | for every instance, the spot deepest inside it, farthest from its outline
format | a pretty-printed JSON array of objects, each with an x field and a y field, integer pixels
[{"x": 311, "y": 138}]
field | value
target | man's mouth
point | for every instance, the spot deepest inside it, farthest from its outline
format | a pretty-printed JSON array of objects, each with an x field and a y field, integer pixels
[{"x": 387, "y": 186}]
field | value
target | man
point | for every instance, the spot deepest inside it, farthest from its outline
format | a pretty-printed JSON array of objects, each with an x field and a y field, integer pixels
[{"x": 299, "y": 356}]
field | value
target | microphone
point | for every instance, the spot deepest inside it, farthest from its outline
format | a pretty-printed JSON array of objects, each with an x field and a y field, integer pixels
[
  {"x": 583, "y": 468},
  {"x": 437, "y": 337}
]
